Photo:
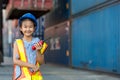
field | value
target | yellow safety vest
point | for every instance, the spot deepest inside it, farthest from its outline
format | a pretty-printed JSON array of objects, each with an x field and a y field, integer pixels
[{"x": 25, "y": 73}]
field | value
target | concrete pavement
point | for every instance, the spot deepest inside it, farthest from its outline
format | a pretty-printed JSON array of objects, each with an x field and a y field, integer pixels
[
  {"x": 6, "y": 69},
  {"x": 57, "y": 72},
  {"x": 7, "y": 61}
]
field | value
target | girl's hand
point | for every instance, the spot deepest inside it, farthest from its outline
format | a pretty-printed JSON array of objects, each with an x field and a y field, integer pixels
[
  {"x": 35, "y": 68},
  {"x": 38, "y": 46}
]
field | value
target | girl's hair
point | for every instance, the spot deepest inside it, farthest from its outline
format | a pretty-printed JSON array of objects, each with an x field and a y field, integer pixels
[{"x": 20, "y": 24}]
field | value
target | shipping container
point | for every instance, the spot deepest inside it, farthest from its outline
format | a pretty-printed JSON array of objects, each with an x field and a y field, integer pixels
[
  {"x": 40, "y": 28},
  {"x": 57, "y": 37},
  {"x": 59, "y": 14},
  {"x": 16, "y": 8},
  {"x": 57, "y": 33},
  {"x": 95, "y": 39},
  {"x": 83, "y": 6}
]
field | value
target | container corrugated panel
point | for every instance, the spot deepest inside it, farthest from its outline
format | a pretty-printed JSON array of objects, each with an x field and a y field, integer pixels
[
  {"x": 27, "y": 4},
  {"x": 40, "y": 28},
  {"x": 96, "y": 40},
  {"x": 57, "y": 39},
  {"x": 59, "y": 14},
  {"x": 17, "y": 8},
  {"x": 81, "y": 5}
]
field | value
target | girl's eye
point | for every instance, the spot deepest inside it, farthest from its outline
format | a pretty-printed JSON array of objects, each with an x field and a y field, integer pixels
[
  {"x": 31, "y": 26},
  {"x": 25, "y": 26}
]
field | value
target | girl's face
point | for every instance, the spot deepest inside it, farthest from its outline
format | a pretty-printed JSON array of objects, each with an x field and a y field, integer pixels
[{"x": 27, "y": 28}]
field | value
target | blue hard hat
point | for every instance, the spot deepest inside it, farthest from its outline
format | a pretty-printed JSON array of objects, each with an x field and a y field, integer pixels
[{"x": 28, "y": 16}]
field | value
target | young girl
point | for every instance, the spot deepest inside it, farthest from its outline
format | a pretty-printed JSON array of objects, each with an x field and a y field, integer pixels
[{"x": 27, "y": 61}]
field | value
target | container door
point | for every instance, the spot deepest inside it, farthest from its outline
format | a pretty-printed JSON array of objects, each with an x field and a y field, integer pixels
[
  {"x": 94, "y": 40},
  {"x": 58, "y": 50}
]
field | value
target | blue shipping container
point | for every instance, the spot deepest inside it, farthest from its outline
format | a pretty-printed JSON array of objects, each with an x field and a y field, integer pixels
[
  {"x": 81, "y": 5},
  {"x": 96, "y": 40},
  {"x": 59, "y": 14},
  {"x": 58, "y": 44}
]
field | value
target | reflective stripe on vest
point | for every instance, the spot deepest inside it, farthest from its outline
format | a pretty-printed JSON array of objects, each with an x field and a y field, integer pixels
[{"x": 25, "y": 73}]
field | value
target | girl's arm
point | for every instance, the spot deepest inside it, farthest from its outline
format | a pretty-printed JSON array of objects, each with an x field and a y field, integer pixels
[
  {"x": 40, "y": 58},
  {"x": 19, "y": 62}
]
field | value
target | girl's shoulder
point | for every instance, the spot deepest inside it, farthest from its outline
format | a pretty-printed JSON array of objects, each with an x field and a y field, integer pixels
[
  {"x": 36, "y": 39},
  {"x": 16, "y": 40}
]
